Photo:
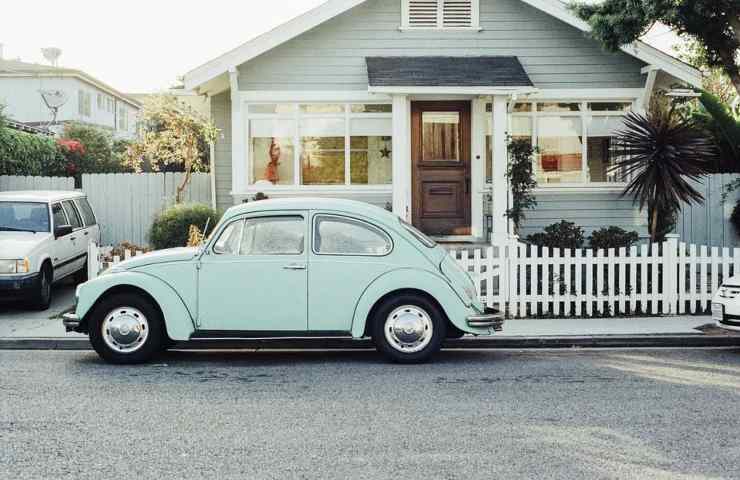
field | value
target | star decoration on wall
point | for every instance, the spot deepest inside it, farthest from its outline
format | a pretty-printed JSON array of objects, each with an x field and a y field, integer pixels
[{"x": 385, "y": 153}]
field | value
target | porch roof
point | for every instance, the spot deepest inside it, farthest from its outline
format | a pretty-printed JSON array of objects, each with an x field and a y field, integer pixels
[{"x": 489, "y": 72}]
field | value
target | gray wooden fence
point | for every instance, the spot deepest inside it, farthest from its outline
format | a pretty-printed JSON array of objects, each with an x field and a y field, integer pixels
[
  {"x": 9, "y": 182},
  {"x": 709, "y": 223},
  {"x": 126, "y": 204}
]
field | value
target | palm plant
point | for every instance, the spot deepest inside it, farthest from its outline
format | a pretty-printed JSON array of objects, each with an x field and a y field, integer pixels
[{"x": 662, "y": 155}]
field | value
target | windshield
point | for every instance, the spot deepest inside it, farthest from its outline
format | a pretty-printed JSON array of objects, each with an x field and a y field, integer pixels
[
  {"x": 426, "y": 241},
  {"x": 24, "y": 217}
]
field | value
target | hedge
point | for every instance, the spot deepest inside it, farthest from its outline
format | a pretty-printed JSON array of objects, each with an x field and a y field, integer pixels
[{"x": 23, "y": 153}]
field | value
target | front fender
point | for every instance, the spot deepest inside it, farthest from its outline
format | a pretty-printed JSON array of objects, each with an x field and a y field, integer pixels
[
  {"x": 416, "y": 279},
  {"x": 179, "y": 322}
]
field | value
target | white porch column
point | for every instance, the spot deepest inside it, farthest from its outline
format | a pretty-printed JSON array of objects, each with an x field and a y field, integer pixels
[
  {"x": 500, "y": 161},
  {"x": 238, "y": 133},
  {"x": 402, "y": 157}
]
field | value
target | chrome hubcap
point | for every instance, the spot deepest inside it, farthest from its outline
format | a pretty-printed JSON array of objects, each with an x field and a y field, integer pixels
[
  {"x": 125, "y": 330},
  {"x": 409, "y": 329}
]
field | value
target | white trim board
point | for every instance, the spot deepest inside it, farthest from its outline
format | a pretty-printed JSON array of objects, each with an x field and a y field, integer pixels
[{"x": 332, "y": 8}]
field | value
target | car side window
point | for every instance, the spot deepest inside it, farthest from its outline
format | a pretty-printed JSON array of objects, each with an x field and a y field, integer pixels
[
  {"x": 335, "y": 235},
  {"x": 74, "y": 217},
  {"x": 228, "y": 242},
  {"x": 87, "y": 213},
  {"x": 60, "y": 218},
  {"x": 274, "y": 236}
]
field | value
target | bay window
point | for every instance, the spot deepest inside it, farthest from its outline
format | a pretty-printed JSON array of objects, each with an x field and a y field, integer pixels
[
  {"x": 575, "y": 140},
  {"x": 323, "y": 144}
]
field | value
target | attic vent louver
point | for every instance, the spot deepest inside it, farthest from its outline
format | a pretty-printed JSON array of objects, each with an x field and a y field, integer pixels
[{"x": 452, "y": 14}]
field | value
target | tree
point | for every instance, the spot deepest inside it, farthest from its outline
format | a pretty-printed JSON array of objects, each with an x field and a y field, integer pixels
[
  {"x": 715, "y": 24},
  {"x": 662, "y": 154},
  {"x": 172, "y": 134},
  {"x": 716, "y": 82}
]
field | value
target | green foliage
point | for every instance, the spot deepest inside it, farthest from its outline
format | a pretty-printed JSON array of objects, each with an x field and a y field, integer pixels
[
  {"x": 612, "y": 237},
  {"x": 716, "y": 118},
  {"x": 566, "y": 235},
  {"x": 23, "y": 153},
  {"x": 715, "y": 24},
  {"x": 171, "y": 228},
  {"x": 103, "y": 154},
  {"x": 521, "y": 180},
  {"x": 735, "y": 217}
]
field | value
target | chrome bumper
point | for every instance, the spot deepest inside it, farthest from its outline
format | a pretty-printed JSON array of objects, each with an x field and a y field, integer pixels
[
  {"x": 71, "y": 322},
  {"x": 490, "y": 319}
]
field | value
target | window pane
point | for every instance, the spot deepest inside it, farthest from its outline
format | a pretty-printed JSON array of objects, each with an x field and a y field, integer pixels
[
  {"x": 440, "y": 136},
  {"x": 267, "y": 108},
  {"x": 274, "y": 236},
  {"x": 322, "y": 151},
  {"x": 371, "y": 157},
  {"x": 59, "y": 217},
  {"x": 24, "y": 216},
  {"x": 228, "y": 242},
  {"x": 521, "y": 128},
  {"x": 603, "y": 153},
  {"x": 558, "y": 107},
  {"x": 322, "y": 108},
  {"x": 560, "y": 144},
  {"x": 86, "y": 210},
  {"x": 371, "y": 108},
  {"x": 272, "y": 151},
  {"x": 345, "y": 236},
  {"x": 72, "y": 215},
  {"x": 518, "y": 107},
  {"x": 610, "y": 107}
]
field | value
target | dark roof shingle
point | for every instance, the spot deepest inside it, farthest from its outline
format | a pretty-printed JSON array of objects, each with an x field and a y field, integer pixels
[{"x": 446, "y": 72}]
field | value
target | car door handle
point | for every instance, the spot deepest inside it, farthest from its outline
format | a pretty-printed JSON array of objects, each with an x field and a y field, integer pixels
[
  {"x": 87, "y": 233},
  {"x": 73, "y": 238},
  {"x": 294, "y": 266}
]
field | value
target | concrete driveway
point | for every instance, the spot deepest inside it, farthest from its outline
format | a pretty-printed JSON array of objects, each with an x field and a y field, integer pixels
[{"x": 18, "y": 320}]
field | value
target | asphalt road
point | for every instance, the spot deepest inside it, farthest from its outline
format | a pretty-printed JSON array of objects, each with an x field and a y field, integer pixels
[{"x": 622, "y": 414}]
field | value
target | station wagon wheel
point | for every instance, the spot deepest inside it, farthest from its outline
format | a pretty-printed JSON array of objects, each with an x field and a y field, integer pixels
[
  {"x": 408, "y": 328},
  {"x": 126, "y": 328}
]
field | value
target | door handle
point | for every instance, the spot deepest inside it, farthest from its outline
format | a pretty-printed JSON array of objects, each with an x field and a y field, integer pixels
[
  {"x": 87, "y": 233},
  {"x": 73, "y": 238},
  {"x": 294, "y": 266}
]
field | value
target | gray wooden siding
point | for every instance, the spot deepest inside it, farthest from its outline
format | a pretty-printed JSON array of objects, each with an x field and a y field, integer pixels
[
  {"x": 709, "y": 223},
  {"x": 221, "y": 115},
  {"x": 332, "y": 56},
  {"x": 590, "y": 211}
]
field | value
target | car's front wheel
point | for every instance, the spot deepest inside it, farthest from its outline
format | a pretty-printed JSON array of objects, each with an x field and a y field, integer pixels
[
  {"x": 41, "y": 299},
  {"x": 126, "y": 329},
  {"x": 409, "y": 328}
]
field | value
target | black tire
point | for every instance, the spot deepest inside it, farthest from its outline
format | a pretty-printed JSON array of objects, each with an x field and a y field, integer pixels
[
  {"x": 420, "y": 305},
  {"x": 41, "y": 299},
  {"x": 145, "y": 349}
]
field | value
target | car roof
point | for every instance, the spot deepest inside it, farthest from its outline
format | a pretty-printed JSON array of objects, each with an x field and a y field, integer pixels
[
  {"x": 39, "y": 196},
  {"x": 314, "y": 203}
]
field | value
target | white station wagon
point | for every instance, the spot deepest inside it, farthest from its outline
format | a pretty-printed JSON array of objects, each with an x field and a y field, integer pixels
[{"x": 44, "y": 238}]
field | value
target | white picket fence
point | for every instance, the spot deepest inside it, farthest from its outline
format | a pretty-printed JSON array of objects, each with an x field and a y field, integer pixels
[
  {"x": 659, "y": 279},
  {"x": 18, "y": 183}
]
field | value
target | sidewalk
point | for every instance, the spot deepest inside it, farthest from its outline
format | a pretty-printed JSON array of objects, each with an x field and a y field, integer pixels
[{"x": 21, "y": 329}]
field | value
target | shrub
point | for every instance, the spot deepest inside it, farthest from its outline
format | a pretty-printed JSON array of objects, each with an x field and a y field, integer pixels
[
  {"x": 102, "y": 154},
  {"x": 613, "y": 237},
  {"x": 735, "y": 218},
  {"x": 171, "y": 228},
  {"x": 23, "y": 153},
  {"x": 565, "y": 234}
]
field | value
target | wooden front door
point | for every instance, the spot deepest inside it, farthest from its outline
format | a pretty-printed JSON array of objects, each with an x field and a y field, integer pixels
[{"x": 440, "y": 155}]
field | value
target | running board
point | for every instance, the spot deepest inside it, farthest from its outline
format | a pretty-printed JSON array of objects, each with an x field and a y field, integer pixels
[{"x": 201, "y": 335}]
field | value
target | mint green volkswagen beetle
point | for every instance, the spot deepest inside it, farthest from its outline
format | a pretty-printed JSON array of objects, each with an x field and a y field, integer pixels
[{"x": 294, "y": 268}]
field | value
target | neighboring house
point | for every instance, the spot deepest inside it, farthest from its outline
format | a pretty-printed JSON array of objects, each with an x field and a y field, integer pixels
[
  {"x": 408, "y": 103},
  {"x": 88, "y": 100}
]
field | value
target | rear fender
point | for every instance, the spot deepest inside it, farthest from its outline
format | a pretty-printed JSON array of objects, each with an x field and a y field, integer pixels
[
  {"x": 179, "y": 321},
  {"x": 414, "y": 279}
]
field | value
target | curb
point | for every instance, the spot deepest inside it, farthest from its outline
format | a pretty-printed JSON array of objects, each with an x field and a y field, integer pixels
[{"x": 480, "y": 343}]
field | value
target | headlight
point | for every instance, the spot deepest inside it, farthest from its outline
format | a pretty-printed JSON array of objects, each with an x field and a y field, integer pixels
[{"x": 15, "y": 266}]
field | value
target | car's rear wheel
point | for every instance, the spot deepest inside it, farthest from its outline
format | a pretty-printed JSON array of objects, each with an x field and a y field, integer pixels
[
  {"x": 126, "y": 329},
  {"x": 41, "y": 299},
  {"x": 409, "y": 328}
]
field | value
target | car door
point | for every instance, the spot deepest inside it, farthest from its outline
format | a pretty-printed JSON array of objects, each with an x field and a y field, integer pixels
[
  {"x": 254, "y": 279},
  {"x": 347, "y": 254},
  {"x": 62, "y": 250},
  {"x": 78, "y": 240}
]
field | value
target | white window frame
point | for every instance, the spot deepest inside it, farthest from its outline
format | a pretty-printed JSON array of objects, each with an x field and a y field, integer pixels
[
  {"x": 585, "y": 115},
  {"x": 474, "y": 21},
  {"x": 296, "y": 115}
]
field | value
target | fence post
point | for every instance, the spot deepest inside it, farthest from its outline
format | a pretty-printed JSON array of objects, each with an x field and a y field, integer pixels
[
  {"x": 512, "y": 262},
  {"x": 92, "y": 261},
  {"x": 670, "y": 274}
]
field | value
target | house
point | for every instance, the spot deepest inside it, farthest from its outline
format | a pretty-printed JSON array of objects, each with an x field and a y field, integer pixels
[
  {"x": 408, "y": 103},
  {"x": 82, "y": 97}
]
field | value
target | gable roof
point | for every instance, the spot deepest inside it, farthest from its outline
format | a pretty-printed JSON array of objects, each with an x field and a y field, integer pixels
[
  {"x": 16, "y": 68},
  {"x": 446, "y": 72},
  {"x": 332, "y": 8}
]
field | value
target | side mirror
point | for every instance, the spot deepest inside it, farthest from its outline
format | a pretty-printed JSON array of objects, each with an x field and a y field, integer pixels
[{"x": 62, "y": 230}]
